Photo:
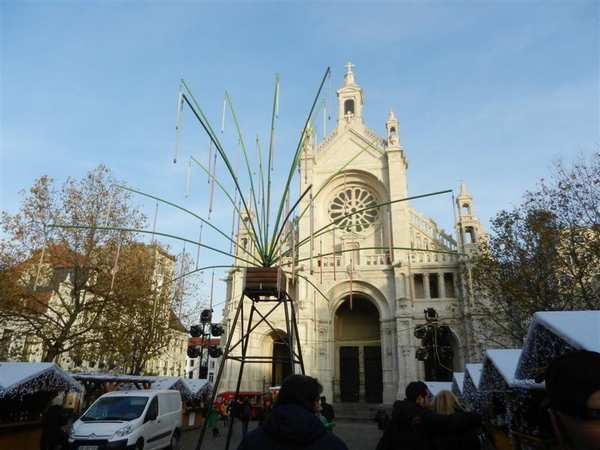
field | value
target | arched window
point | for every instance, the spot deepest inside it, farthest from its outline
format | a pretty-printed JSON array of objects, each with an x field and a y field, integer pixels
[{"x": 349, "y": 107}]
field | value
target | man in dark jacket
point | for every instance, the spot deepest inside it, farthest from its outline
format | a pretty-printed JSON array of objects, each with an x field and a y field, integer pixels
[
  {"x": 414, "y": 425},
  {"x": 52, "y": 432},
  {"x": 294, "y": 424}
]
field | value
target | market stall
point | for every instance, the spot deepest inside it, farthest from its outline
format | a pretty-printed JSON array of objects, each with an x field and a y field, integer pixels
[
  {"x": 470, "y": 391},
  {"x": 512, "y": 406},
  {"x": 193, "y": 393},
  {"x": 458, "y": 381},
  {"x": 550, "y": 334},
  {"x": 26, "y": 391},
  {"x": 553, "y": 333}
]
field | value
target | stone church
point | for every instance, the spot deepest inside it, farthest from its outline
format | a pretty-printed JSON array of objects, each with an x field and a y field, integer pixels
[{"x": 379, "y": 292}]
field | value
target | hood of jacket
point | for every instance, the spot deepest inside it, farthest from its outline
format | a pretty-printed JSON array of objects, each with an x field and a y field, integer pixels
[{"x": 294, "y": 424}]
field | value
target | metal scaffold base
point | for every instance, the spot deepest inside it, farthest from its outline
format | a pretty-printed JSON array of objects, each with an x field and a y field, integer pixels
[{"x": 236, "y": 349}]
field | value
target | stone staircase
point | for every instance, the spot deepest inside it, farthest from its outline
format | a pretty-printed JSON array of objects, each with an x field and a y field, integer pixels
[{"x": 363, "y": 412}]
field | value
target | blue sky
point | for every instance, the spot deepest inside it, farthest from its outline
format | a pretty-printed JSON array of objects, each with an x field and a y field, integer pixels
[{"x": 486, "y": 92}]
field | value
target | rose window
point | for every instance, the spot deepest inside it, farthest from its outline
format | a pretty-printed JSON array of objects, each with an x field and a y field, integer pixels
[{"x": 354, "y": 209}]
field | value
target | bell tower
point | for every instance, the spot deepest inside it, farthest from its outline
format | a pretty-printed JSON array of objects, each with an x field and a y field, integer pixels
[
  {"x": 469, "y": 227},
  {"x": 350, "y": 100}
]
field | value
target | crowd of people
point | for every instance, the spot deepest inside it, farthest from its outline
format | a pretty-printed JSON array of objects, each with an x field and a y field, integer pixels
[
  {"x": 301, "y": 418},
  {"x": 420, "y": 422}
]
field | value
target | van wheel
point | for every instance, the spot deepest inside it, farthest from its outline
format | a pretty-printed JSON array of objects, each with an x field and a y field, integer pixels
[
  {"x": 139, "y": 445},
  {"x": 174, "y": 441}
]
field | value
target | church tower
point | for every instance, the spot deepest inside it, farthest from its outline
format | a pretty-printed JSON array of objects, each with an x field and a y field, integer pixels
[
  {"x": 469, "y": 226},
  {"x": 371, "y": 271}
]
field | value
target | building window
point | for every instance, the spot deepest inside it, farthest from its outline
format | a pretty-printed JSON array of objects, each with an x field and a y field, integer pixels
[
  {"x": 212, "y": 364},
  {"x": 349, "y": 107},
  {"x": 354, "y": 209},
  {"x": 211, "y": 377}
]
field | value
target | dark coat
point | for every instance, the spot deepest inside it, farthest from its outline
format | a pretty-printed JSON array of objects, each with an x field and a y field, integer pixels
[
  {"x": 52, "y": 432},
  {"x": 327, "y": 411},
  {"x": 465, "y": 439},
  {"x": 291, "y": 427},
  {"x": 415, "y": 427},
  {"x": 382, "y": 419}
]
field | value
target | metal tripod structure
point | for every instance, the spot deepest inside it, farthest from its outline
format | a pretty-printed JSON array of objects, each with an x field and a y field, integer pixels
[{"x": 279, "y": 299}]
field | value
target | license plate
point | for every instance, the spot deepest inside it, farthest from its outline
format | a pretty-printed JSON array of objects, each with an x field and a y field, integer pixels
[{"x": 88, "y": 447}]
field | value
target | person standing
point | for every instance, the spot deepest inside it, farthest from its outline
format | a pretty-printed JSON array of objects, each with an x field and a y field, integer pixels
[
  {"x": 225, "y": 413},
  {"x": 327, "y": 410},
  {"x": 446, "y": 403},
  {"x": 413, "y": 424},
  {"x": 52, "y": 422},
  {"x": 246, "y": 415},
  {"x": 235, "y": 411},
  {"x": 294, "y": 422},
  {"x": 382, "y": 418}
]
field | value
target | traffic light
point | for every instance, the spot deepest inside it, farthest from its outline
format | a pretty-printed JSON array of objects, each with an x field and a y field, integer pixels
[
  {"x": 430, "y": 336},
  {"x": 193, "y": 352},
  {"x": 420, "y": 331},
  {"x": 444, "y": 332},
  {"x": 422, "y": 353},
  {"x": 195, "y": 330},
  {"x": 216, "y": 330},
  {"x": 215, "y": 351},
  {"x": 431, "y": 314},
  {"x": 445, "y": 353},
  {"x": 206, "y": 316}
]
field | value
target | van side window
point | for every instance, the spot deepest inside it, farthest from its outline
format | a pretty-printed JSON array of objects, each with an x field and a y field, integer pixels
[{"x": 152, "y": 410}]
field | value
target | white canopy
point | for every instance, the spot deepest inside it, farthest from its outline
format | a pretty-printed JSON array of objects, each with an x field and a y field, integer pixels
[
  {"x": 458, "y": 382},
  {"x": 198, "y": 386},
  {"x": 21, "y": 378},
  {"x": 552, "y": 333},
  {"x": 499, "y": 367}
]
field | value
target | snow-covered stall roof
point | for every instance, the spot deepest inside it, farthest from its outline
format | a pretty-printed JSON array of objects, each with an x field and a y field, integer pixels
[
  {"x": 199, "y": 387},
  {"x": 118, "y": 381},
  {"x": 473, "y": 375},
  {"x": 437, "y": 386},
  {"x": 176, "y": 383},
  {"x": 458, "y": 382},
  {"x": 22, "y": 378},
  {"x": 191, "y": 389},
  {"x": 553, "y": 333},
  {"x": 498, "y": 373},
  {"x": 470, "y": 393}
]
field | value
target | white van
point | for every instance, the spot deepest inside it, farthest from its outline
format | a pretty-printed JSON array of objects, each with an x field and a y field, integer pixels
[{"x": 132, "y": 420}]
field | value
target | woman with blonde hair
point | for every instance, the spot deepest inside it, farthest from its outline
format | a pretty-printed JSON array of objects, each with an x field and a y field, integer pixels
[{"x": 447, "y": 403}]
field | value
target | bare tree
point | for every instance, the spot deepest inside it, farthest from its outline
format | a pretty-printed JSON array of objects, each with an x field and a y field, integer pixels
[
  {"x": 542, "y": 256},
  {"x": 55, "y": 259}
]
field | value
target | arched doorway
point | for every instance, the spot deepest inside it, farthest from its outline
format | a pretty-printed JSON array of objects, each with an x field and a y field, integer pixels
[
  {"x": 358, "y": 350},
  {"x": 281, "y": 366}
]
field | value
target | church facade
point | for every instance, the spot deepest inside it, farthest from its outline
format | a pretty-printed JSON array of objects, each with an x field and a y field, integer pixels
[{"x": 379, "y": 292}]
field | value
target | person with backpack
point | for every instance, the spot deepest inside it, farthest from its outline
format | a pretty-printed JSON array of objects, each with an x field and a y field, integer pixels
[
  {"x": 414, "y": 425},
  {"x": 381, "y": 418}
]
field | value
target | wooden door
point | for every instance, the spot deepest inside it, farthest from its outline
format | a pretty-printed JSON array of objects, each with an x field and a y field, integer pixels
[
  {"x": 373, "y": 375},
  {"x": 349, "y": 374}
]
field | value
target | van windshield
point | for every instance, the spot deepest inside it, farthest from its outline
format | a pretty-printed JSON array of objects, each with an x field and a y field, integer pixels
[{"x": 116, "y": 408}]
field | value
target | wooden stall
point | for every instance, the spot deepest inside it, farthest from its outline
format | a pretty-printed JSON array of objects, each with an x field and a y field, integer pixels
[
  {"x": 26, "y": 392},
  {"x": 550, "y": 334},
  {"x": 193, "y": 392}
]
